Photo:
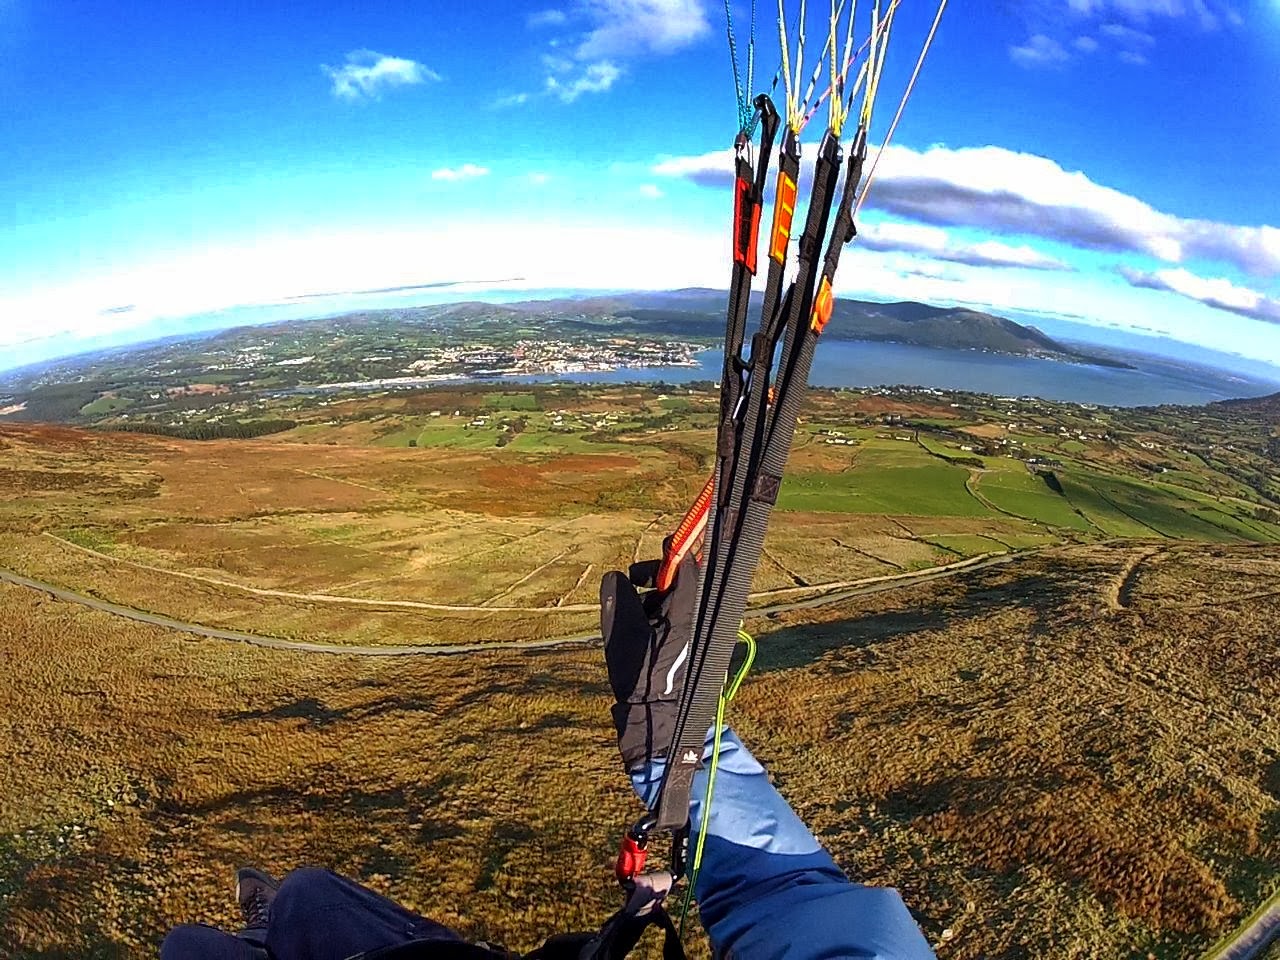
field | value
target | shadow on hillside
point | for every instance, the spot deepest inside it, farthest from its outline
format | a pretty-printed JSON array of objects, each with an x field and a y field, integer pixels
[
  {"x": 424, "y": 795},
  {"x": 507, "y": 837},
  {"x": 965, "y": 794},
  {"x": 1052, "y": 598},
  {"x": 319, "y": 714}
]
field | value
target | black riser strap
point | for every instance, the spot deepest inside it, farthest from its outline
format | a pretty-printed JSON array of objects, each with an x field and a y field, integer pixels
[
  {"x": 731, "y": 582},
  {"x": 748, "y": 432}
]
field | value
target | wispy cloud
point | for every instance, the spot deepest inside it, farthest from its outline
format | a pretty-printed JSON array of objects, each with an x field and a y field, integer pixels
[
  {"x": 627, "y": 27},
  {"x": 650, "y": 191},
  {"x": 510, "y": 100},
  {"x": 538, "y": 178},
  {"x": 1216, "y": 292},
  {"x": 998, "y": 189},
  {"x": 1039, "y": 51},
  {"x": 366, "y": 73},
  {"x": 593, "y": 78},
  {"x": 1002, "y": 191},
  {"x": 468, "y": 171},
  {"x": 546, "y": 18},
  {"x": 600, "y": 37},
  {"x": 1204, "y": 14},
  {"x": 935, "y": 243},
  {"x": 1061, "y": 30},
  {"x": 1127, "y": 35},
  {"x": 1129, "y": 44}
]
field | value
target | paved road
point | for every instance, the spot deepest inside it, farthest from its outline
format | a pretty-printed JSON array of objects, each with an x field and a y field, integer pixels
[
  {"x": 275, "y": 643},
  {"x": 1250, "y": 942},
  {"x": 879, "y": 585}
]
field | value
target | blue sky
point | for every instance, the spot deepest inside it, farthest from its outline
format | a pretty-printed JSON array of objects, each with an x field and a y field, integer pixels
[{"x": 1111, "y": 161}]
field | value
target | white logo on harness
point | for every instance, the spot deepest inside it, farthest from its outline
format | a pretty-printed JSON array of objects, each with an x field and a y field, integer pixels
[
  {"x": 671, "y": 674},
  {"x": 690, "y": 756}
]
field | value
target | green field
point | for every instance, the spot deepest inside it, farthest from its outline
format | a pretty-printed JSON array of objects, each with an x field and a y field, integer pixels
[
  {"x": 1126, "y": 507},
  {"x": 675, "y": 404},
  {"x": 1013, "y": 489},
  {"x": 890, "y": 477},
  {"x": 105, "y": 405},
  {"x": 970, "y": 544},
  {"x": 453, "y": 433},
  {"x": 1100, "y": 513},
  {"x": 948, "y": 451},
  {"x": 513, "y": 401}
]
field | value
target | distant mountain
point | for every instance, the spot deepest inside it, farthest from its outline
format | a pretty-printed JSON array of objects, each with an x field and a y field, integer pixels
[
  {"x": 700, "y": 312},
  {"x": 1266, "y": 406}
]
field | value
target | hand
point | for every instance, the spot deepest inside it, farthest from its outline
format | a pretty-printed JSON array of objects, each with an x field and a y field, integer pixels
[{"x": 646, "y": 648}]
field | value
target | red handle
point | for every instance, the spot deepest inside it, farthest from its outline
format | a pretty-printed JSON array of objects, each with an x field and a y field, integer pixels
[{"x": 631, "y": 859}]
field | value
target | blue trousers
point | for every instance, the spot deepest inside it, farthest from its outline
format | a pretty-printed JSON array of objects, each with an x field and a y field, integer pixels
[{"x": 316, "y": 915}]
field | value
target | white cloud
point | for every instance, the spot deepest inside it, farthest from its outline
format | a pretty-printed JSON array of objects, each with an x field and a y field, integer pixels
[
  {"x": 468, "y": 171},
  {"x": 706, "y": 169},
  {"x": 538, "y": 179},
  {"x": 935, "y": 242},
  {"x": 1054, "y": 25},
  {"x": 1004, "y": 192},
  {"x": 271, "y": 267},
  {"x": 1216, "y": 292},
  {"x": 1039, "y": 51},
  {"x": 557, "y": 63},
  {"x": 511, "y": 100},
  {"x": 546, "y": 18},
  {"x": 1127, "y": 35},
  {"x": 602, "y": 36},
  {"x": 651, "y": 191},
  {"x": 997, "y": 189},
  {"x": 1205, "y": 14},
  {"x": 594, "y": 78},
  {"x": 627, "y": 27},
  {"x": 1132, "y": 46},
  {"x": 366, "y": 73}
]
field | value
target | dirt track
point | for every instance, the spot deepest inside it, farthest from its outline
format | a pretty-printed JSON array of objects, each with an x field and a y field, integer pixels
[{"x": 866, "y": 588}]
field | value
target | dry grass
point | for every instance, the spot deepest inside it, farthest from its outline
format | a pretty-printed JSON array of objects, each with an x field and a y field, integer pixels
[
  {"x": 182, "y": 528},
  {"x": 1042, "y": 776},
  {"x": 1049, "y": 777},
  {"x": 1073, "y": 755},
  {"x": 140, "y": 768}
]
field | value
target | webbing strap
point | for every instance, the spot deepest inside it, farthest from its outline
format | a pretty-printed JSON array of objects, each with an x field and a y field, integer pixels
[
  {"x": 740, "y": 425},
  {"x": 621, "y": 932},
  {"x": 748, "y": 201},
  {"x": 614, "y": 941},
  {"x": 692, "y": 526},
  {"x": 726, "y": 576},
  {"x": 749, "y": 187}
]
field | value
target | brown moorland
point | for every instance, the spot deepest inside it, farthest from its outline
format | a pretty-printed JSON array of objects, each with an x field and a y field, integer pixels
[
  {"x": 269, "y": 536},
  {"x": 1071, "y": 755}
]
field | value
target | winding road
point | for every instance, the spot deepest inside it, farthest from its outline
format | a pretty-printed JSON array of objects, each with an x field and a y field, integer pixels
[
  {"x": 863, "y": 588},
  {"x": 1253, "y": 937},
  {"x": 1246, "y": 943}
]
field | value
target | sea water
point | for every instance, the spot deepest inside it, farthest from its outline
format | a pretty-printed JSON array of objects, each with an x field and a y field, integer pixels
[{"x": 844, "y": 363}]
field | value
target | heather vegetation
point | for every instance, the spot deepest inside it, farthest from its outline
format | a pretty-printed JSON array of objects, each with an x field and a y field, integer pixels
[{"x": 1017, "y": 659}]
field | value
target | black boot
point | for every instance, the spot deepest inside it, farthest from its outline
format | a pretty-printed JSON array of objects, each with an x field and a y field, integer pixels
[{"x": 255, "y": 890}]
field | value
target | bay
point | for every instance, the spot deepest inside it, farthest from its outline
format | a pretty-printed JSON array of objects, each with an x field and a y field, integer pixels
[{"x": 844, "y": 363}]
